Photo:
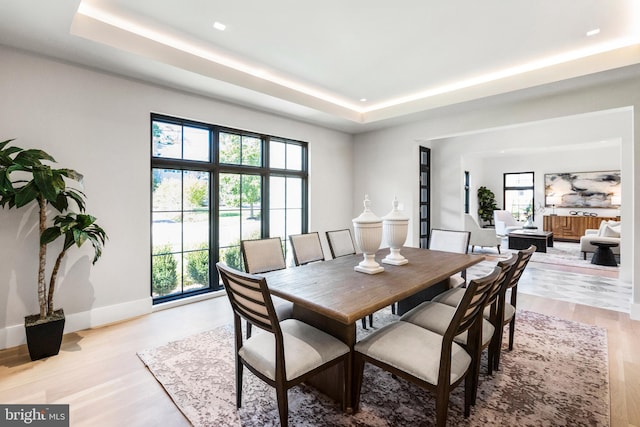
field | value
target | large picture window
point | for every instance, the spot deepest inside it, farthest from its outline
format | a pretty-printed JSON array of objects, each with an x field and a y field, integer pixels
[
  {"x": 518, "y": 194},
  {"x": 211, "y": 188}
]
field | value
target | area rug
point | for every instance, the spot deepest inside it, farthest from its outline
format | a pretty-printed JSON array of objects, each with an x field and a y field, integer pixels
[{"x": 557, "y": 375}]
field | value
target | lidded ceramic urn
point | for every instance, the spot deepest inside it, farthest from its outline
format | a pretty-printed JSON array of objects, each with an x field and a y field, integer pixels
[
  {"x": 395, "y": 226},
  {"x": 367, "y": 230}
]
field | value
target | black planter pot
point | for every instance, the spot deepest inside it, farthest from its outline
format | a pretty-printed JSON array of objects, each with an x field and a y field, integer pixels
[{"x": 44, "y": 338}]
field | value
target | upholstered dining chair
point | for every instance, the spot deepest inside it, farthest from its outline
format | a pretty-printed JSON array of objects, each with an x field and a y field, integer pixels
[
  {"x": 430, "y": 360},
  {"x": 506, "y": 310},
  {"x": 262, "y": 256},
  {"x": 436, "y": 316},
  {"x": 341, "y": 244},
  {"x": 289, "y": 352},
  {"x": 451, "y": 241},
  {"x": 306, "y": 248}
]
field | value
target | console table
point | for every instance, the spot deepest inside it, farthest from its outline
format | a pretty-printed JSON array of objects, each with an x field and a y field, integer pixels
[{"x": 571, "y": 228}]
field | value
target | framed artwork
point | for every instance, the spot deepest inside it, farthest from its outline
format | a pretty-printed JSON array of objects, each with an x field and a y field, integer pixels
[{"x": 582, "y": 189}]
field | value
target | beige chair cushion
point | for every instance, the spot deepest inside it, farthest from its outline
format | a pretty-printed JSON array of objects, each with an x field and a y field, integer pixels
[
  {"x": 436, "y": 317},
  {"x": 414, "y": 350},
  {"x": 305, "y": 348},
  {"x": 451, "y": 297}
]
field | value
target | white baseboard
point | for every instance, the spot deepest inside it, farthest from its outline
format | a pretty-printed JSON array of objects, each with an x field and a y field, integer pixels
[{"x": 12, "y": 336}]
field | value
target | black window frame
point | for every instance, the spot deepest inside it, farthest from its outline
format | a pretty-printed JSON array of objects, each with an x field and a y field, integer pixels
[{"x": 214, "y": 167}]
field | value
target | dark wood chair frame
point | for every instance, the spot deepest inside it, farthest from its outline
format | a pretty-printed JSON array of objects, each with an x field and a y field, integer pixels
[
  {"x": 255, "y": 291},
  {"x": 511, "y": 282},
  {"x": 329, "y": 240},
  {"x": 249, "y": 270},
  {"x": 468, "y": 317}
]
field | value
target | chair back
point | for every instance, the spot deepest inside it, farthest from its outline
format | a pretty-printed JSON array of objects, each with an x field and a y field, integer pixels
[
  {"x": 470, "y": 224},
  {"x": 306, "y": 248},
  {"x": 340, "y": 243},
  {"x": 505, "y": 216},
  {"x": 263, "y": 255},
  {"x": 250, "y": 299},
  {"x": 516, "y": 272},
  {"x": 506, "y": 266},
  {"x": 449, "y": 240},
  {"x": 472, "y": 304}
]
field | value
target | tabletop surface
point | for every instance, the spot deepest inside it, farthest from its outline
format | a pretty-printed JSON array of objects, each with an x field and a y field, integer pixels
[{"x": 334, "y": 289}]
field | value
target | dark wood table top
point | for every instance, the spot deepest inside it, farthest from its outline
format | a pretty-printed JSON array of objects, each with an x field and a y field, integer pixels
[{"x": 332, "y": 288}]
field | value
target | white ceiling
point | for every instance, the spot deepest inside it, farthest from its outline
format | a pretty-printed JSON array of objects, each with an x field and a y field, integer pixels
[{"x": 315, "y": 61}]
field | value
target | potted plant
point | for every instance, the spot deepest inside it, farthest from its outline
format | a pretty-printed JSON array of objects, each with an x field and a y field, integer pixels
[
  {"x": 25, "y": 179},
  {"x": 486, "y": 204}
]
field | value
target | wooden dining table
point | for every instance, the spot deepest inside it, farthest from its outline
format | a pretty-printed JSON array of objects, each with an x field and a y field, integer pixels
[{"x": 332, "y": 296}]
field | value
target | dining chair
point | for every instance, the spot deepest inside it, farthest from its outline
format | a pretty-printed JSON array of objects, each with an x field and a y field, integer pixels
[
  {"x": 451, "y": 241},
  {"x": 262, "y": 256},
  {"x": 430, "y": 360},
  {"x": 506, "y": 310},
  {"x": 436, "y": 317},
  {"x": 341, "y": 244},
  {"x": 306, "y": 248},
  {"x": 288, "y": 352}
]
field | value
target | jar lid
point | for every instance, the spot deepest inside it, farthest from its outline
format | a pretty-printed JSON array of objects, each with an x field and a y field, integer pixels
[
  {"x": 395, "y": 214},
  {"x": 366, "y": 216}
]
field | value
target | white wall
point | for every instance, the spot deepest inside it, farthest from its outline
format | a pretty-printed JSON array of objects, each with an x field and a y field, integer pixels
[
  {"x": 99, "y": 125},
  {"x": 567, "y": 114}
]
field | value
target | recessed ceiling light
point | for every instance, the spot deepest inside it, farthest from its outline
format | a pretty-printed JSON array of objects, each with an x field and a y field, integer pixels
[
  {"x": 219, "y": 26},
  {"x": 593, "y": 32},
  {"x": 363, "y": 99}
]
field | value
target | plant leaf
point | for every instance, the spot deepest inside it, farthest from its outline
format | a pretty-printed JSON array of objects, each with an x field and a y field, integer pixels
[{"x": 49, "y": 235}]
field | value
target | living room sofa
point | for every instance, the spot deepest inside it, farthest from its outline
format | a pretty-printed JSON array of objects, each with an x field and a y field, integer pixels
[{"x": 609, "y": 231}]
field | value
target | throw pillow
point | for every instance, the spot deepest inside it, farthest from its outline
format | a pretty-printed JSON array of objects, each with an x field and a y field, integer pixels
[{"x": 611, "y": 231}]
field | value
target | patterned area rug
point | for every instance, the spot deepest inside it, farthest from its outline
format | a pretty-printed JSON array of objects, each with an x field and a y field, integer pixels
[{"x": 557, "y": 375}]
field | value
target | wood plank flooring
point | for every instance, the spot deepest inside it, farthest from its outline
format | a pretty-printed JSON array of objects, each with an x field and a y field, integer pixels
[{"x": 100, "y": 376}]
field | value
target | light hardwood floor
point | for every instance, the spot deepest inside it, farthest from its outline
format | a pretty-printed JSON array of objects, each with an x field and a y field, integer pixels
[{"x": 98, "y": 373}]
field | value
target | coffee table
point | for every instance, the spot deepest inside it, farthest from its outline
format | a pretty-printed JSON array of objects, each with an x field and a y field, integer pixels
[
  {"x": 603, "y": 254},
  {"x": 522, "y": 239}
]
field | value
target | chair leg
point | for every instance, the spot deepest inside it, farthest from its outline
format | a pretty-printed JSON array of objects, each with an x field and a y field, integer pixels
[
  {"x": 248, "y": 330},
  {"x": 364, "y": 322},
  {"x": 442, "y": 405},
  {"x": 512, "y": 330},
  {"x": 348, "y": 393},
  {"x": 283, "y": 405},
  {"x": 239, "y": 371},
  {"x": 498, "y": 350},
  {"x": 393, "y": 308},
  {"x": 498, "y": 249},
  {"x": 469, "y": 394},
  {"x": 371, "y": 320}
]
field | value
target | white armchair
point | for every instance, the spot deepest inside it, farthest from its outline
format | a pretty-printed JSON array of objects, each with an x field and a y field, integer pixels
[
  {"x": 483, "y": 237},
  {"x": 505, "y": 222}
]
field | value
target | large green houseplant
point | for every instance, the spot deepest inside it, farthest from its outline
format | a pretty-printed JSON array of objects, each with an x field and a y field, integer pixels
[
  {"x": 26, "y": 178},
  {"x": 486, "y": 204}
]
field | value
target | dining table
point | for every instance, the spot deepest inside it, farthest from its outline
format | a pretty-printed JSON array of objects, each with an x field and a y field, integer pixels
[{"x": 332, "y": 296}]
